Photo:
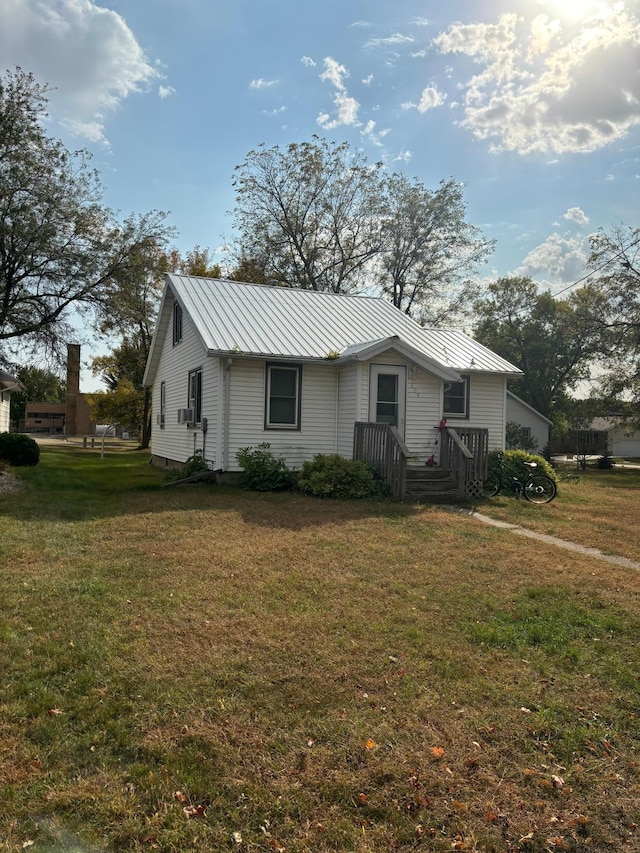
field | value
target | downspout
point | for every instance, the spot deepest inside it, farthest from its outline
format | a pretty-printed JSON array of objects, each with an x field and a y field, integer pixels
[{"x": 225, "y": 417}]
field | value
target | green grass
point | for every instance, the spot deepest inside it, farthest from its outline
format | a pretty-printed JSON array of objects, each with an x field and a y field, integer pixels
[{"x": 313, "y": 675}]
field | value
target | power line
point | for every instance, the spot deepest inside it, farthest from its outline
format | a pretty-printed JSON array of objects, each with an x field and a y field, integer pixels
[{"x": 597, "y": 269}]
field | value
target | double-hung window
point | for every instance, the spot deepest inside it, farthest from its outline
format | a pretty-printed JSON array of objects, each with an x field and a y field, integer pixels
[
  {"x": 195, "y": 394},
  {"x": 283, "y": 398},
  {"x": 456, "y": 398},
  {"x": 177, "y": 323},
  {"x": 163, "y": 404}
]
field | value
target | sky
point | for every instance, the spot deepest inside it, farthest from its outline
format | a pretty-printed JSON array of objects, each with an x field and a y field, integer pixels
[{"x": 534, "y": 105}]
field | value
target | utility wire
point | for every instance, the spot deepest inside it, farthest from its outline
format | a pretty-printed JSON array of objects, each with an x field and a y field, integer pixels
[{"x": 597, "y": 269}]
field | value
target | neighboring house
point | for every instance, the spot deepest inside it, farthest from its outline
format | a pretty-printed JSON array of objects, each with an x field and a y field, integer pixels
[
  {"x": 623, "y": 441},
  {"x": 8, "y": 383},
  {"x": 235, "y": 365},
  {"x": 44, "y": 417},
  {"x": 535, "y": 426}
]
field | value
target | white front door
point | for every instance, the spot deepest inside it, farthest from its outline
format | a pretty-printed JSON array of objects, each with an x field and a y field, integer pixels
[{"x": 387, "y": 393}]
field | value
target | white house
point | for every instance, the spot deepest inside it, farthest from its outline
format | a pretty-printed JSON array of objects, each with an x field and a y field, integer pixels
[
  {"x": 623, "y": 441},
  {"x": 534, "y": 425},
  {"x": 8, "y": 384},
  {"x": 235, "y": 365}
]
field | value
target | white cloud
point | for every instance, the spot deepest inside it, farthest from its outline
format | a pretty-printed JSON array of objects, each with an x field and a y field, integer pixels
[
  {"x": 577, "y": 215},
  {"x": 550, "y": 85},
  {"x": 275, "y": 112},
  {"x": 396, "y": 38},
  {"x": 346, "y": 107},
  {"x": 87, "y": 52},
  {"x": 420, "y": 22},
  {"x": 368, "y": 80},
  {"x": 430, "y": 98},
  {"x": 261, "y": 83},
  {"x": 403, "y": 157},
  {"x": 306, "y": 60},
  {"x": 166, "y": 91},
  {"x": 558, "y": 259}
]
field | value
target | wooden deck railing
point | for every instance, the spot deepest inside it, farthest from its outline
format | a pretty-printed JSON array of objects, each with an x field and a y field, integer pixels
[
  {"x": 382, "y": 445},
  {"x": 464, "y": 451}
]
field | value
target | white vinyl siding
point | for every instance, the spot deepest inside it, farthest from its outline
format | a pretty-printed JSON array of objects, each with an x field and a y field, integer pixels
[
  {"x": 518, "y": 412},
  {"x": 247, "y": 418},
  {"x": 347, "y": 408},
  {"x": 5, "y": 396},
  {"x": 176, "y": 441},
  {"x": 487, "y": 407}
]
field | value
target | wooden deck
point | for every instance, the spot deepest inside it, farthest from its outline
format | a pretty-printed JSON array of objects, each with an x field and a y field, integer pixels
[{"x": 460, "y": 474}]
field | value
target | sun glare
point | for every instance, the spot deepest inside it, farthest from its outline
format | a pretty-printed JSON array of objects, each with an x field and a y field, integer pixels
[{"x": 576, "y": 9}]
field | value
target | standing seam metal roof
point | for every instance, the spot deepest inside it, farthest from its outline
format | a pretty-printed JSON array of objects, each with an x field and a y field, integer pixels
[{"x": 271, "y": 321}]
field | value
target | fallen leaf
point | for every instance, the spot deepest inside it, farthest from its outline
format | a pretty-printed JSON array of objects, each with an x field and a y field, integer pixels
[
  {"x": 557, "y": 781},
  {"x": 236, "y": 837},
  {"x": 460, "y": 807},
  {"x": 362, "y": 798},
  {"x": 53, "y": 712},
  {"x": 370, "y": 744},
  {"x": 194, "y": 811},
  {"x": 490, "y": 817},
  {"x": 180, "y": 797},
  {"x": 437, "y": 751}
]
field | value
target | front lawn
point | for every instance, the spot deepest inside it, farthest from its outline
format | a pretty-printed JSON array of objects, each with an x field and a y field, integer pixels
[
  {"x": 200, "y": 668},
  {"x": 595, "y": 508}
]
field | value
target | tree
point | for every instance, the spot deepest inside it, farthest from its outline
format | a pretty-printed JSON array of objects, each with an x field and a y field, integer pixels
[
  {"x": 430, "y": 251},
  {"x": 196, "y": 261},
  {"x": 59, "y": 246},
  {"x": 40, "y": 385},
  {"x": 615, "y": 257},
  {"x": 553, "y": 341},
  {"x": 309, "y": 216}
]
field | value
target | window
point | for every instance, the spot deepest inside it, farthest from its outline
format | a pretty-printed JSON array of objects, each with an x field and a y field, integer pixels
[
  {"x": 163, "y": 403},
  {"x": 526, "y": 433},
  {"x": 177, "y": 323},
  {"x": 195, "y": 394},
  {"x": 456, "y": 399},
  {"x": 283, "y": 397}
]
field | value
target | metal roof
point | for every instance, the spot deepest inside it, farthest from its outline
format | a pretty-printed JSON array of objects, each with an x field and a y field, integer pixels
[{"x": 280, "y": 322}]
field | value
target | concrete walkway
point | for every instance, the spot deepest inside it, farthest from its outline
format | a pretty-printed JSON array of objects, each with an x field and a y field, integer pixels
[{"x": 552, "y": 540}]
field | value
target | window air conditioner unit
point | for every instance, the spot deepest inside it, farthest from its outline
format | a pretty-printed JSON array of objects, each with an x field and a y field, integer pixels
[{"x": 185, "y": 416}]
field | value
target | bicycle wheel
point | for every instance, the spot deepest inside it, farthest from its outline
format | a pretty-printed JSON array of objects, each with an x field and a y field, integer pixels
[
  {"x": 491, "y": 485},
  {"x": 539, "y": 489}
]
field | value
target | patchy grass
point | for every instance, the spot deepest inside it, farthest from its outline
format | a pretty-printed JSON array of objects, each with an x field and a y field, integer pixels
[
  {"x": 595, "y": 508},
  {"x": 208, "y": 669}
]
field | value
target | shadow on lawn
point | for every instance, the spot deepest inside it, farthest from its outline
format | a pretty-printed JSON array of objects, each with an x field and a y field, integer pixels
[{"x": 78, "y": 485}]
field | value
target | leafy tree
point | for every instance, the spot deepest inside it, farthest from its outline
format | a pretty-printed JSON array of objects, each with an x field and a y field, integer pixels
[
  {"x": 553, "y": 341},
  {"x": 196, "y": 261},
  {"x": 59, "y": 246},
  {"x": 40, "y": 385},
  {"x": 615, "y": 257},
  {"x": 309, "y": 216},
  {"x": 430, "y": 251},
  {"x": 123, "y": 404}
]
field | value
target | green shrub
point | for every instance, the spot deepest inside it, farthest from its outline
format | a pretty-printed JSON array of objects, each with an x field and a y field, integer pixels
[
  {"x": 262, "y": 471},
  {"x": 18, "y": 449},
  {"x": 605, "y": 462},
  {"x": 333, "y": 476},
  {"x": 513, "y": 465},
  {"x": 195, "y": 464}
]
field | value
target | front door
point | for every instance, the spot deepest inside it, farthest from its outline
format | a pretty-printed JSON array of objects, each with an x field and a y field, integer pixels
[{"x": 387, "y": 390}]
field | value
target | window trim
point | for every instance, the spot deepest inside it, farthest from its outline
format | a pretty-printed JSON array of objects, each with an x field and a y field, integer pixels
[
  {"x": 297, "y": 368},
  {"x": 195, "y": 402},
  {"x": 466, "y": 379},
  {"x": 177, "y": 323}
]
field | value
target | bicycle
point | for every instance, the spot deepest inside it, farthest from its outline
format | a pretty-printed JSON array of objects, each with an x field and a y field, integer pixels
[{"x": 537, "y": 488}]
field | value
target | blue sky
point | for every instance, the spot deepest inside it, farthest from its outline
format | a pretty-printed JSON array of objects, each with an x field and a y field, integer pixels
[{"x": 533, "y": 104}]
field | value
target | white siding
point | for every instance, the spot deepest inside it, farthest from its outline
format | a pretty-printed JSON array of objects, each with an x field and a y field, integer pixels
[
  {"x": 487, "y": 408},
  {"x": 318, "y": 417},
  {"x": 178, "y": 441},
  {"x": 347, "y": 408},
  {"x": 527, "y": 417},
  {"x": 5, "y": 396}
]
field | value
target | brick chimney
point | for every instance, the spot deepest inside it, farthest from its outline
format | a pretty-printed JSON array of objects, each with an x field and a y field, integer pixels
[{"x": 73, "y": 389}]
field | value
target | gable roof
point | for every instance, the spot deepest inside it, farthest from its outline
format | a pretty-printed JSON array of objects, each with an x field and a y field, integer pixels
[
  {"x": 9, "y": 382},
  {"x": 527, "y": 406},
  {"x": 240, "y": 319}
]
